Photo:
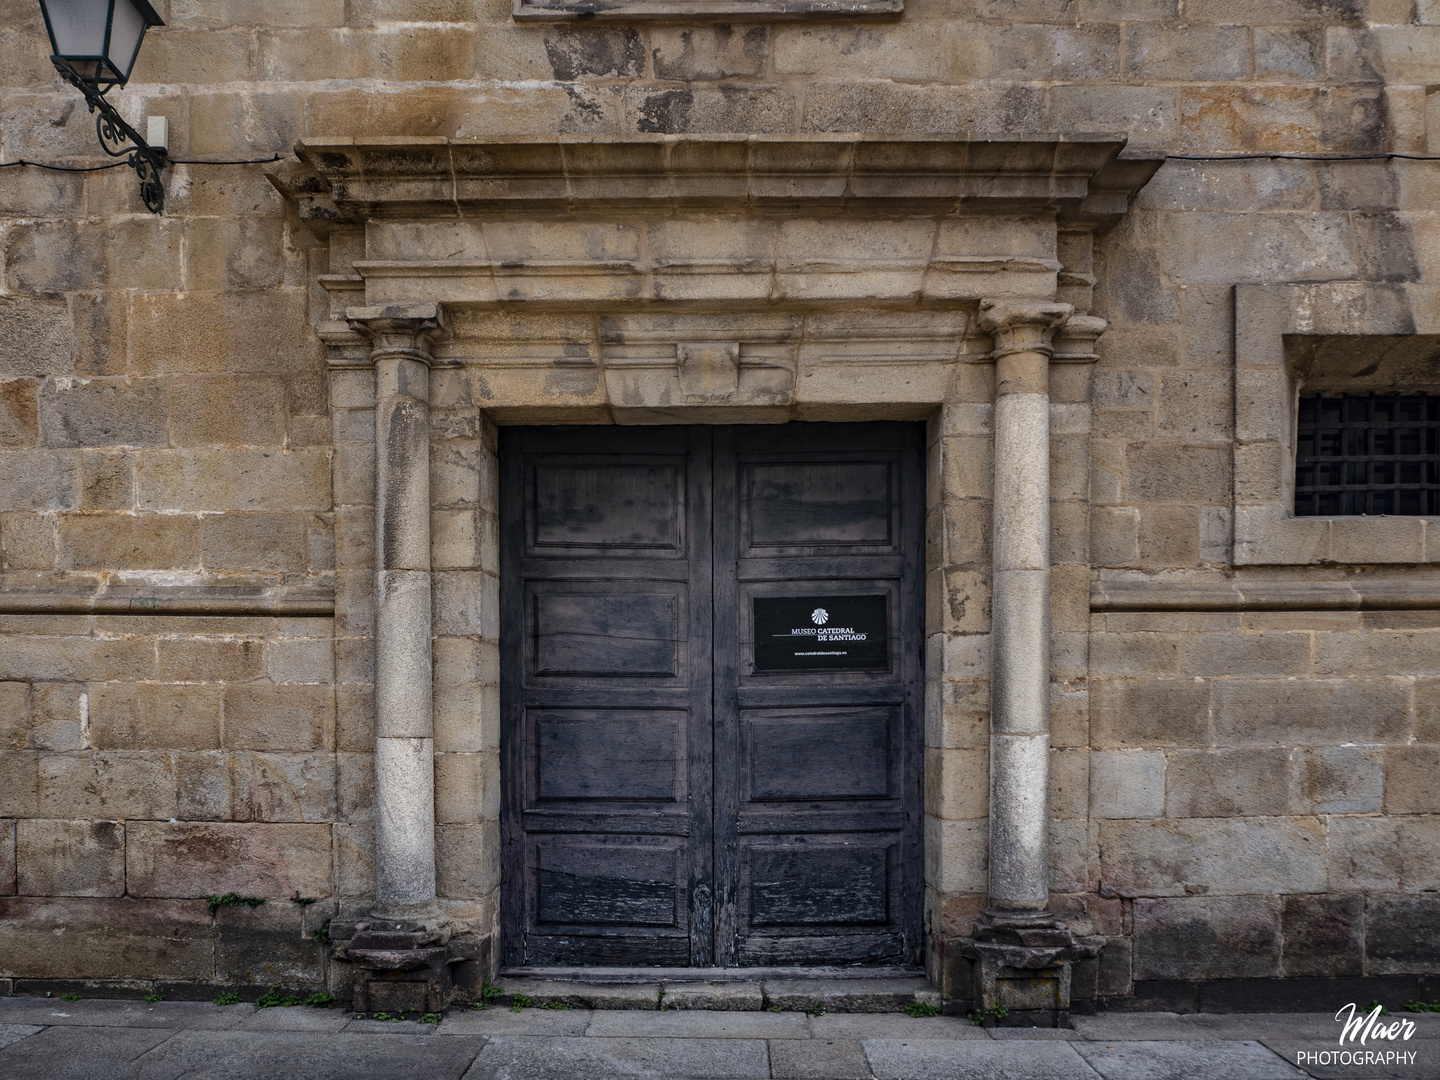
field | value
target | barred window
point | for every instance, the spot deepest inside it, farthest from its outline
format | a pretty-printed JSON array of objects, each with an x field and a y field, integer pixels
[{"x": 1368, "y": 454}]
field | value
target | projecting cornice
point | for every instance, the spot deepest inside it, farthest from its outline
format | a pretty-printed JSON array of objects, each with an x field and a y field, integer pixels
[{"x": 351, "y": 180}]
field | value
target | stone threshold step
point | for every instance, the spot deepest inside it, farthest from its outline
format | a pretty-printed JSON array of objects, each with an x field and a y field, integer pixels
[{"x": 812, "y": 991}]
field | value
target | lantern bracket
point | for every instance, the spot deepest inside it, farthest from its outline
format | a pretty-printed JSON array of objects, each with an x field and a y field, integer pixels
[{"x": 119, "y": 139}]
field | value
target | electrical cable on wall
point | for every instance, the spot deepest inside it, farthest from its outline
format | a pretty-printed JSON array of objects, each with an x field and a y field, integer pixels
[{"x": 118, "y": 164}]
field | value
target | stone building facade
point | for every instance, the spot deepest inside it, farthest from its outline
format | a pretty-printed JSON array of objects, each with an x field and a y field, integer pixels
[{"x": 1167, "y": 743}]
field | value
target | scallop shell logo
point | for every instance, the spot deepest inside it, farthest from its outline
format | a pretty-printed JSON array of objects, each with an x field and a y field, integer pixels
[{"x": 819, "y": 616}]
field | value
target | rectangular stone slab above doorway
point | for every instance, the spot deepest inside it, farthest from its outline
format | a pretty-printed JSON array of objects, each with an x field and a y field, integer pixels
[{"x": 670, "y": 799}]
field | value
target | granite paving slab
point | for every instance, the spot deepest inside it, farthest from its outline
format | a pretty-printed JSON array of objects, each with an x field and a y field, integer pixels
[
  {"x": 13, "y": 1033},
  {"x": 297, "y": 1019},
  {"x": 1426, "y": 1065},
  {"x": 1157, "y": 1060},
  {"x": 296, "y": 1055},
  {"x": 122, "y": 1013},
  {"x": 501, "y": 1021},
  {"x": 818, "y": 1059},
  {"x": 893, "y": 1026},
  {"x": 1120, "y": 1027},
  {"x": 389, "y": 1027},
  {"x": 517, "y": 1057},
  {"x": 1034, "y": 1034},
  {"x": 80, "y": 1053},
  {"x": 1322, "y": 1027},
  {"x": 947, "y": 1059},
  {"x": 699, "y": 1025}
]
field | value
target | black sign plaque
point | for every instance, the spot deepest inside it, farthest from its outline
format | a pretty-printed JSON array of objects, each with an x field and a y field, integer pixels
[{"x": 821, "y": 633}]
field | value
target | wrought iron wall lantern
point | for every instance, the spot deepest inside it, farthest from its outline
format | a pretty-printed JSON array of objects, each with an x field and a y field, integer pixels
[{"x": 94, "y": 45}]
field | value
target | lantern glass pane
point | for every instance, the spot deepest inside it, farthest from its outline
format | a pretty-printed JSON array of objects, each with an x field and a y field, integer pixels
[
  {"x": 125, "y": 35},
  {"x": 78, "y": 26}
]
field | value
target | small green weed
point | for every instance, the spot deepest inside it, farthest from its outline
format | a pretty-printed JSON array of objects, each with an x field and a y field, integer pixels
[
  {"x": 556, "y": 1005},
  {"x": 74, "y": 995},
  {"x": 980, "y": 1016},
  {"x": 521, "y": 1002},
  {"x": 429, "y": 1018},
  {"x": 273, "y": 998},
  {"x": 918, "y": 1009},
  {"x": 153, "y": 998},
  {"x": 1375, "y": 1004},
  {"x": 303, "y": 901},
  {"x": 231, "y": 899},
  {"x": 1422, "y": 1006},
  {"x": 229, "y": 997},
  {"x": 322, "y": 1000},
  {"x": 815, "y": 1010},
  {"x": 397, "y": 1018},
  {"x": 488, "y": 993},
  {"x": 322, "y": 935},
  {"x": 774, "y": 1008}
]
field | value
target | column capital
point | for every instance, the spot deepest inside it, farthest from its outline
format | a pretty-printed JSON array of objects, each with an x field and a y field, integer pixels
[
  {"x": 1075, "y": 340},
  {"x": 399, "y": 330},
  {"x": 1022, "y": 326}
]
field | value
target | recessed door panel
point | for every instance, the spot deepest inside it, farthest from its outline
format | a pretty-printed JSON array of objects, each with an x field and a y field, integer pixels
[
  {"x": 824, "y": 755},
  {"x": 819, "y": 503},
  {"x": 607, "y": 885},
  {"x": 818, "y": 886},
  {"x": 619, "y": 507},
  {"x": 616, "y": 633},
  {"x": 609, "y": 754}
]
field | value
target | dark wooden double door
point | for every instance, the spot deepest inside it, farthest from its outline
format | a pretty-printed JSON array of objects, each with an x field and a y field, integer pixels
[{"x": 710, "y": 684}]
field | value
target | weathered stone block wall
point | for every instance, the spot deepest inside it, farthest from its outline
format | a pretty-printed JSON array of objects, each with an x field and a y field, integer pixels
[
  {"x": 148, "y": 763},
  {"x": 1263, "y": 790},
  {"x": 165, "y": 418}
]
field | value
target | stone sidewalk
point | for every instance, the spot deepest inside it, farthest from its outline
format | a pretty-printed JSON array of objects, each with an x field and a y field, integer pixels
[{"x": 48, "y": 1039}]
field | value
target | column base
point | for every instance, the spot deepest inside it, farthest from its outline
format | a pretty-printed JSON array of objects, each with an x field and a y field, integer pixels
[
  {"x": 1018, "y": 970},
  {"x": 400, "y": 965}
]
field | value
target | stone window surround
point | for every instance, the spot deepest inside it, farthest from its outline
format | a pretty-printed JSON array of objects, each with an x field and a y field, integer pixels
[{"x": 1267, "y": 389}]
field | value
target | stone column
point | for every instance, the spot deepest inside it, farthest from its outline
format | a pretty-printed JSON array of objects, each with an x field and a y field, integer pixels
[
  {"x": 1019, "y": 890},
  {"x": 404, "y": 735}
]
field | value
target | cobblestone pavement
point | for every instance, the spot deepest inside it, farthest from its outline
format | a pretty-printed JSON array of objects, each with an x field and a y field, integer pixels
[{"x": 47, "y": 1039}]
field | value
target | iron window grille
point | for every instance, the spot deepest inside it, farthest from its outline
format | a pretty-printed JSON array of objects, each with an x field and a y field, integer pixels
[{"x": 1368, "y": 454}]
